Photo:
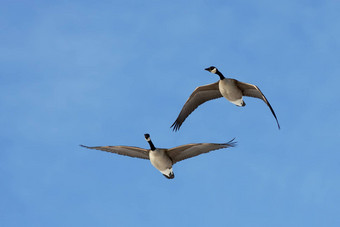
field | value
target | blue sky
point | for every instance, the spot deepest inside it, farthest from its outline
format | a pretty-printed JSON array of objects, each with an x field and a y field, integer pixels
[{"x": 105, "y": 73}]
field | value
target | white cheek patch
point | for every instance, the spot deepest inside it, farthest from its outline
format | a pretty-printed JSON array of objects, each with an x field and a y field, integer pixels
[
  {"x": 214, "y": 70},
  {"x": 148, "y": 139}
]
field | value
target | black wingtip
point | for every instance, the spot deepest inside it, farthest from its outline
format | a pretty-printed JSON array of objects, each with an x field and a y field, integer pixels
[
  {"x": 232, "y": 143},
  {"x": 84, "y": 146},
  {"x": 175, "y": 126},
  {"x": 277, "y": 121}
]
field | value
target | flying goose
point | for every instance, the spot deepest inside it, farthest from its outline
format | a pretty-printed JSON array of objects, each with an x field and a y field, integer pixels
[
  {"x": 231, "y": 89},
  {"x": 163, "y": 159}
]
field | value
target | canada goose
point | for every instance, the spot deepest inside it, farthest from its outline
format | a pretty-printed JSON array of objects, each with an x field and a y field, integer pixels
[
  {"x": 233, "y": 90},
  {"x": 163, "y": 159}
]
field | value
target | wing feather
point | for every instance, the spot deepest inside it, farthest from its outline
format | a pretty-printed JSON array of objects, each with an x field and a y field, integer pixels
[
  {"x": 134, "y": 152},
  {"x": 199, "y": 96},
  {"x": 191, "y": 150},
  {"x": 251, "y": 90}
]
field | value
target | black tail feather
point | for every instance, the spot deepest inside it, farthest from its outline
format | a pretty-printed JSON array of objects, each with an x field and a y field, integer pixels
[{"x": 172, "y": 176}]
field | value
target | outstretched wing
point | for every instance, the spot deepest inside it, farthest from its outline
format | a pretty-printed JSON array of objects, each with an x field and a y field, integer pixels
[
  {"x": 134, "y": 152},
  {"x": 199, "y": 96},
  {"x": 191, "y": 150},
  {"x": 251, "y": 90}
]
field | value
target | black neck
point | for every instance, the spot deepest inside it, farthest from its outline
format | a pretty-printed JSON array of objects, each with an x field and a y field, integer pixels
[
  {"x": 151, "y": 145},
  {"x": 220, "y": 74}
]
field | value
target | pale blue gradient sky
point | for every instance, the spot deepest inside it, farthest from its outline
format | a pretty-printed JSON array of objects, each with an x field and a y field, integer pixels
[{"x": 105, "y": 73}]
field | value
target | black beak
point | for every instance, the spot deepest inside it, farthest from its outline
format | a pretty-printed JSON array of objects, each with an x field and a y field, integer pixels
[
  {"x": 208, "y": 69},
  {"x": 147, "y": 136}
]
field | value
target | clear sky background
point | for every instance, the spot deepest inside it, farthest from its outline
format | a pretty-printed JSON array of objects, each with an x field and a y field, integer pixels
[{"x": 106, "y": 72}]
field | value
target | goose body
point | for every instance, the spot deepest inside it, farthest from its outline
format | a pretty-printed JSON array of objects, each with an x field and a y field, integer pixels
[
  {"x": 163, "y": 159},
  {"x": 231, "y": 89}
]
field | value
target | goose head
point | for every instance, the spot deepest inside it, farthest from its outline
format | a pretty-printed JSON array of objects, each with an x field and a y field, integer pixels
[
  {"x": 147, "y": 137},
  {"x": 212, "y": 69}
]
